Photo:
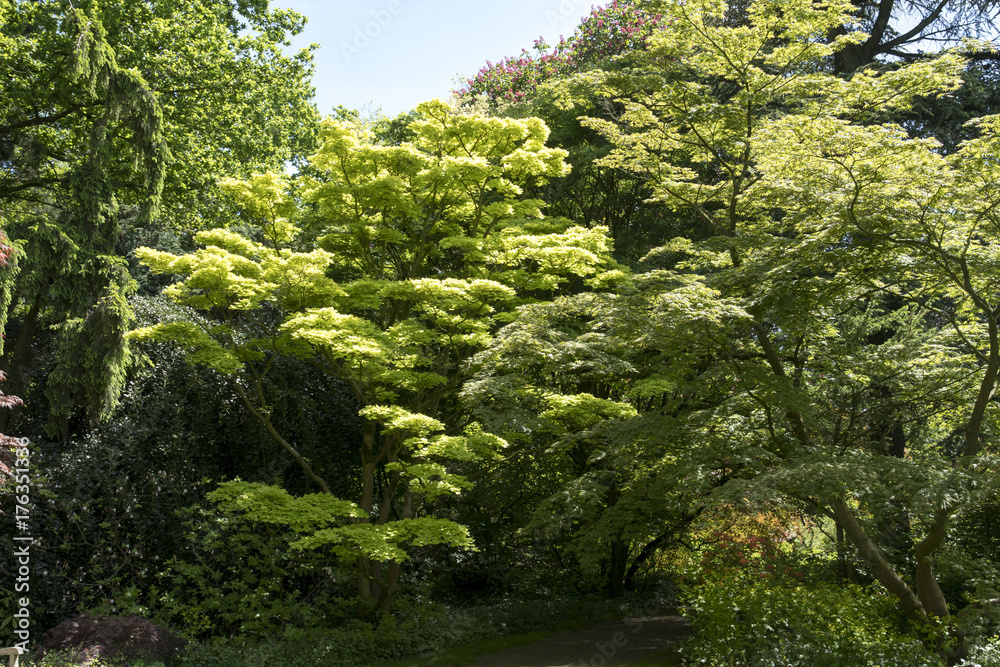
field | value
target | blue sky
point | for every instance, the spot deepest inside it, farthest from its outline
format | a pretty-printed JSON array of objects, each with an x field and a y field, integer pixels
[{"x": 397, "y": 53}]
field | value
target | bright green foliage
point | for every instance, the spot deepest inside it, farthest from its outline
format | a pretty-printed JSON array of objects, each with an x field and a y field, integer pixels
[
  {"x": 382, "y": 542},
  {"x": 263, "y": 197},
  {"x": 233, "y": 273},
  {"x": 424, "y": 249},
  {"x": 271, "y": 504},
  {"x": 772, "y": 62},
  {"x": 318, "y": 515},
  {"x": 769, "y": 356},
  {"x": 583, "y": 410}
]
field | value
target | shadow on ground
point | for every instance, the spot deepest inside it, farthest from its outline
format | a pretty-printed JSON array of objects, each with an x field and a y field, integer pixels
[{"x": 624, "y": 642}]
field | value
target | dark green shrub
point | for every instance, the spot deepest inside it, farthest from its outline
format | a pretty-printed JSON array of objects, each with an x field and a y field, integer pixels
[
  {"x": 104, "y": 504},
  {"x": 415, "y": 628},
  {"x": 742, "y": 622},
  {"x": 234, "y": 578}
]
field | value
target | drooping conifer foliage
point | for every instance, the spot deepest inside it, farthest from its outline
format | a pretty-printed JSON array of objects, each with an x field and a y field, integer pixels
[
  {"x": 7, "y": 402},
  {"x": 105, "y": 139}
]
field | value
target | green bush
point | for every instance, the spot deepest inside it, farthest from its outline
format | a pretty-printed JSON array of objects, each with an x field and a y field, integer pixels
[
  {"x": 235, "y": 578},
  {"x": 983, "y": 652},
  {"x": 759, "y": 623}
]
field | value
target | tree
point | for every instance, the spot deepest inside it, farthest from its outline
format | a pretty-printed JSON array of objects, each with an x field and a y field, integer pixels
[
  {"x": 580, "y": 385},
  {"x": 407, "y": 261},
  {"x": 817, "y": 210},
  {"x": 946, "y": 118},
  {"x": 558, "y": 86},
  {"x": 902, "y": 29},
  {"x": 104, "y": 128}
]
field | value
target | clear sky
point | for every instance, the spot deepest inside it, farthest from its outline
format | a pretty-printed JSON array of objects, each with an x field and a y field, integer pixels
[{"x": 397, "y": 53}]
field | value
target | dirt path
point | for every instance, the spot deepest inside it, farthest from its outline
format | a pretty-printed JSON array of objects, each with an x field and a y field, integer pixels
[{"x": 613, "y": 643}]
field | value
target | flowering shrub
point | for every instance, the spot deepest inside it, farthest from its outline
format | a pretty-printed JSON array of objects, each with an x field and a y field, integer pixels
[
  {"x": 609, "y": 31},
  {"x": 5, "y": 250}
]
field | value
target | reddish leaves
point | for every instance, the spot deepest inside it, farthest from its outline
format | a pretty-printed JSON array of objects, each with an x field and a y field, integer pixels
[
  {"x": 127, "y": 637},
  {"x": 5, "y": 250},
  {"x": 7, "y": 443}
]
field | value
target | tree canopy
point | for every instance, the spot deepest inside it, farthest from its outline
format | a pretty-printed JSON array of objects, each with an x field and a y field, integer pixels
[
  {"x": 113, "y": 133},
  {"x": 699, "y": 305},
  {"x": 416, "y": 253}
]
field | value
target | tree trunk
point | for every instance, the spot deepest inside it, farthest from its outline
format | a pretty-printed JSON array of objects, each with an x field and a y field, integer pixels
[
  {"x": 852, "y": 58},
  {"x": 651, "y": 547},
  {"x": 877, "y": 564},
  {"x": 616, "y": 570},
  {"x": 391, "y": 588},
  {"x": 926, "y": 583},
  {"x": 845, "y": 568},
  {"x": 368, "y": 470},
  {"x": 987, "y": 389},
  {"x": 367, "y": 587},
  {"x": 647, "y": 550}
]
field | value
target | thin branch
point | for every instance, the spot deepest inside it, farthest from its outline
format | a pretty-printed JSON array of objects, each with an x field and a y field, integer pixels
[
  {"x": 41, "y": 120},
  {"x": 265, "y": 419}
]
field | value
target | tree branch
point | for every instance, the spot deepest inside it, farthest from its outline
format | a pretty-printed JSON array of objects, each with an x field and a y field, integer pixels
[
  {"x": 41, "y": 120},
  {"x": 265, "y": 419}
]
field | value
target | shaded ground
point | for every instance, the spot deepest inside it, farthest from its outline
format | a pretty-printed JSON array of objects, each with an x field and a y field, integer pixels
[{"x": 624, "y": 642}]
